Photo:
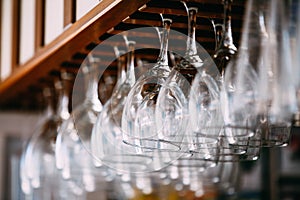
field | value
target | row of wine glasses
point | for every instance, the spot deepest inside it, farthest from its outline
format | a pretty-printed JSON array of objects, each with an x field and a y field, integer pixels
[
  {"x": 72, "y": 138},
  {"x": 180, "y": 128}
]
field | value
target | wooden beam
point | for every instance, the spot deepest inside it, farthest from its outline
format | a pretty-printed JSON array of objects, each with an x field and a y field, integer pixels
[
  {"x": 235, "y": 2},
  {"x": 69, "y": 12},
  {"x": 182, "y": 12}
]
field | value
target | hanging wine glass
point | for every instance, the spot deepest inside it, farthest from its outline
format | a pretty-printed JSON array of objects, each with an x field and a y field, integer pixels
[
  {"x": 239, "y": 116},
  {"x": 25, "y": 171},
  {"x": 225, "y": 52},
  {"x": 107, "y": 142},
  {"x": 239, "y": 98},
  {"x": 39, "y": 156},
  {"x": 277, "y": 98},
  {"x": 138, "y": 120},
  {"x": 73, "y": 151},
  {"x": 121, "y": 77},
  {"x": 178, "y": 93},
  {"x": 171, "y": 109}
]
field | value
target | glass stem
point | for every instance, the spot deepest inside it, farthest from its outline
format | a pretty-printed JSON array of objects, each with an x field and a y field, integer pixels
[
  {"x": 219, "y": 32},
  {"x": 92, "y": 89},
  {"x": 121, "y": 69},
  {"x": 163, "y": 54},
  {"x": 130, "y": 75},
  {"x": 48, "y": 96},
  {"x": 191, "y": 48},
  {"x": 64, "y": 94},
  {"x": 91, "y": 82},
  {"x": 227, "y": 38},
  {"x": 226, "y": 48},
  {"x": 63, "y": 103}
]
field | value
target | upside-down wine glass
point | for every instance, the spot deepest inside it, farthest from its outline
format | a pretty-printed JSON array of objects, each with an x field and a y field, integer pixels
[
  {"x": 39, "y": 158},
  {"x": 25, "y": 171},
  {"x": 276, "y": 95},
  {"x": 254, "y": 36},
  {"x": 138, "y": 120},
  {"x": 225, "y": 52},
  {"x": 121, "y": 77},
  {"x": 107, "y": 137},
  {"x": 224, "y": 175},
  {"x": 171, "y": 109},
  {"x": 172, "y": 114},
  {"x": 175, "y": 98},
  {"x": 73, "y": 151}
]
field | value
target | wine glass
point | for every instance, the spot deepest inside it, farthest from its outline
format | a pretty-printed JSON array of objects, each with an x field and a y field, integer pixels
[
  {"x": 107, "y": 139},
  {"x": 276, "y": 95},
  {"x": 239, "y": 98},
  {"x": 38, "y": 164},
  {"x": 73, "y": 151},
  {"x": 172, "y": 101},
  {"x": 254, "y": 37},
  {"x": 191, "y": 90},
  {"x": 138, "y": 120},
  {"x": 25, "y": 171}
]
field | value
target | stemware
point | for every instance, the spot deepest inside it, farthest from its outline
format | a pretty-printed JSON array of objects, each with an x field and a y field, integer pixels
[
  {"x": 107, "y": 142},
  {"x": 239, "y": 98},
  {"x": 38, "y": 163},
  {"x": 138, "y": 120},
  {"x": 25, "y": 174},
  {"x": 196, "y": 97},
  {"x": 252, "y": 39},
  {"x": 171, "y": 110},
  {"x": 121, "y": 77},
  {"x": 73, "y": 151},
  {"x": 240, "y": 78},
  {"x": 276, "y": 95}
]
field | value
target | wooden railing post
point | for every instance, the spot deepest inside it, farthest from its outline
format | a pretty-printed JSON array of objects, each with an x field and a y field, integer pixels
[
  {"x": 39, "y": 24},
  {"x": 16, "y": 13}
]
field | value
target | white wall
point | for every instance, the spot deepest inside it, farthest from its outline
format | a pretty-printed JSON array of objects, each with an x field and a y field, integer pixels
[
  {"x": 27, "y": 30},
  {"x": 54, "y": 19},
  {"x": 84, "y": 6},
  {"x": 6, "y": 36}
]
